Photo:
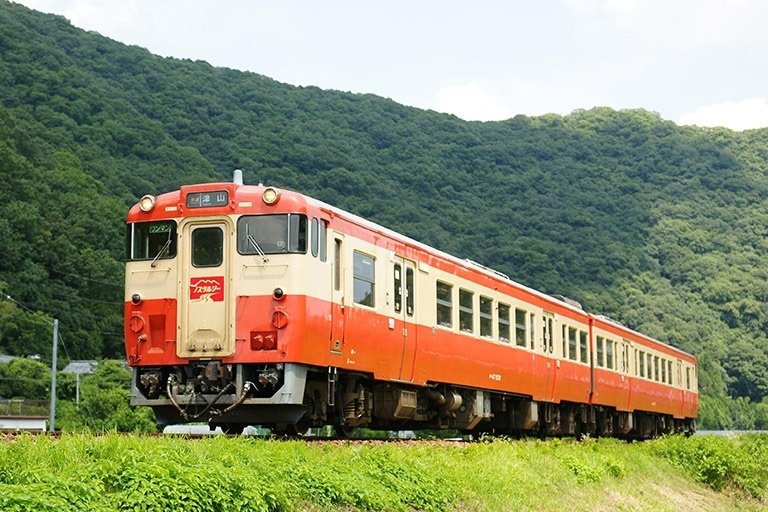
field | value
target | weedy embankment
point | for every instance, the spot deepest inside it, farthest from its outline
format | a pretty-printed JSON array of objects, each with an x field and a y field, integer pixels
[{"x": 122, "y": 472}]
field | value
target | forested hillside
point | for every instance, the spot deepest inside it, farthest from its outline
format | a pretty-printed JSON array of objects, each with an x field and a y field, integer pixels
[{"x": 660, "y": 226}]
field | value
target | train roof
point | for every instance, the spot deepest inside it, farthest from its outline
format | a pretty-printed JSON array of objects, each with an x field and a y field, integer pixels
[{"x": 470, "y": 265}]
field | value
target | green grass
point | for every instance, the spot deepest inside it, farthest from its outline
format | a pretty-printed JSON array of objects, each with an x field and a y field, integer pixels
[{"x": 114, "y": 472}]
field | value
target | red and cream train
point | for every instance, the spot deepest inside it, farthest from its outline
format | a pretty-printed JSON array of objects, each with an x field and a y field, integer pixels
[{"x": 247, "y": 305}]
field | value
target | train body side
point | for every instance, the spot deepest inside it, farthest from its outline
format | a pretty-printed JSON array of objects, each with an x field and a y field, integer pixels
[{"x": 390, "y": 315}]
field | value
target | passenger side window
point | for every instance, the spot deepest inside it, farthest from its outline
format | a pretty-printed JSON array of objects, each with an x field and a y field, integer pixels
[
  {"x": 572, "y": 343},
  {"x": 609, "y": 354},
  {"x": 532, "y": 336},
  {"x": 584, "y": 347},
  {"x": 504, "y": 323},
  {"x": 364, "y": 282},
  {"x": 444, "y": 304},
  {"x": 520, "y": 327},
  {"x": 600, "y": 351},
  {"x": 466, "y": 313},
  {"x": 486, "y": 317}
]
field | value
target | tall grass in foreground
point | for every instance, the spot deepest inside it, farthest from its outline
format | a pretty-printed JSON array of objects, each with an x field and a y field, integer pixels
[{"x": 112, "y": 472}]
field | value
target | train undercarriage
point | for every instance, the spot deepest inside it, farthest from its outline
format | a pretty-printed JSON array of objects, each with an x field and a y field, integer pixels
[{"x": 291, "y": 399}]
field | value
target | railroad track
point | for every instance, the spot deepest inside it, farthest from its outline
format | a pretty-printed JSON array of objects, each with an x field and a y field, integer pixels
[{"x": 12, "y": 435}]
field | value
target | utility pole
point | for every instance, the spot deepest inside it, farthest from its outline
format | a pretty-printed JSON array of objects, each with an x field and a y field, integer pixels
[
  {"x": 53, "y": 373},
  {"x": 53, "y": 363}
]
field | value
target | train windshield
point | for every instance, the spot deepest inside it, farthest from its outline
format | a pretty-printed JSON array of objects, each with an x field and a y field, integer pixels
[
  {"x": 151, "y": 240},
  {"x": 272, "y": 234}
]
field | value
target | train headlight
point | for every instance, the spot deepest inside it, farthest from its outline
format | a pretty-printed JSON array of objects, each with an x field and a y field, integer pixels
[
  {"x": 135, "y": 299},
  {"x": 278, "y": 294},
  {"x": 147, "y": 203},
  {"x": 270, "y": 195}
]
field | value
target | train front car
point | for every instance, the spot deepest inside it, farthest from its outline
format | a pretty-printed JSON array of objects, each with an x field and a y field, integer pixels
[{"x": 217, "y": 289}]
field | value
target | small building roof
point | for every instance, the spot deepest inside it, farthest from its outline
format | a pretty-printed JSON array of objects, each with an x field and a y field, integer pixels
[{"x": 81, "y": 366}]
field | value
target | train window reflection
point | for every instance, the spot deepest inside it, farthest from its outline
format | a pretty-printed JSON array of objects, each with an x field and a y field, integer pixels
[
  {"x": 207, "y": 247},
  {"x": 572, "y": 343},
  {"x": 466, "y": 313},
  {"x": 504, "y": 323},
  {"x": 398, "y": 288},
  {"x": 583, "y": 346},
  {"x": 364, "y": 284},
  {"x": 609, "y": 354},
  {"x": 444, "y": 304},
  {"x": 486, "y": 316},
  {"x": 520, "y": 327},
  {"x": 409, "y": 291},
  {"x": 600, "y": 341},
  {"x": 272, "y": 234}
]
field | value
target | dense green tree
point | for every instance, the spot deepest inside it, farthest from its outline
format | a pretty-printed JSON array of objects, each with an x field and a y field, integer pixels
[
  {"x": 104, "y": 403},
  {"x": 23, "y": 378},
  {"x": 747, "y": 367}
]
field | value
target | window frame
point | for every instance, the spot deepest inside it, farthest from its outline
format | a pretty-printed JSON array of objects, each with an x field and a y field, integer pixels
[
  {"x": 521, "y": 329},
  {"x": 218, "y": 258},
  {"x": 296, "y": 236},
  {"x": 151, "y": 247},
  {"x": 486, "y": 317},
  {"x": 573, "y": 343},
  {"x": 466, "y": 310},
  {"x": 365, "y": 280},
  {"x": 583, "y": 347},
  {"x": 444, "y": 304},
  {"x": 503, "y": 322},
  {"x": 600, "y": 342}
]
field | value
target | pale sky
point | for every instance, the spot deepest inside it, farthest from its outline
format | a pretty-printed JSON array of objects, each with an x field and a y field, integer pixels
[{"x": 702, "y": 62}]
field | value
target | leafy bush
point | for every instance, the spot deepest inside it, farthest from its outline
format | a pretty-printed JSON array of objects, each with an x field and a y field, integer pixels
[{"x": 721, "y": 462}]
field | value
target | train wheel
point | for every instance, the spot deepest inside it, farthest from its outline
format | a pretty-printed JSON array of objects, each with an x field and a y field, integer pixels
[
  {"x": 232, "y": 428},
  {"x": 344, "y": 431},
  {"x": 299, "y": 429}
]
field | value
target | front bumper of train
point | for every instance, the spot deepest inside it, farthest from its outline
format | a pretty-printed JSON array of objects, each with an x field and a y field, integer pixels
[{"x": 248, "y": 394}]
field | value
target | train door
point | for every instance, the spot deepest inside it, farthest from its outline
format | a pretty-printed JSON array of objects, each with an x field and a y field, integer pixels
[
  {"x": 337, "y": 296},
  {"x": 548, "y": 349},
  {"x": 404, "y": 294},
  {"x": 205, "y": 295},
  {"x": 678, "y": 383}
]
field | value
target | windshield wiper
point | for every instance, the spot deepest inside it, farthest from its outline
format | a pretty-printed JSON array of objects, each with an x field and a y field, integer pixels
[
  {"x": 256, "y": 246},
  {"x": 162, "y": 250}
]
